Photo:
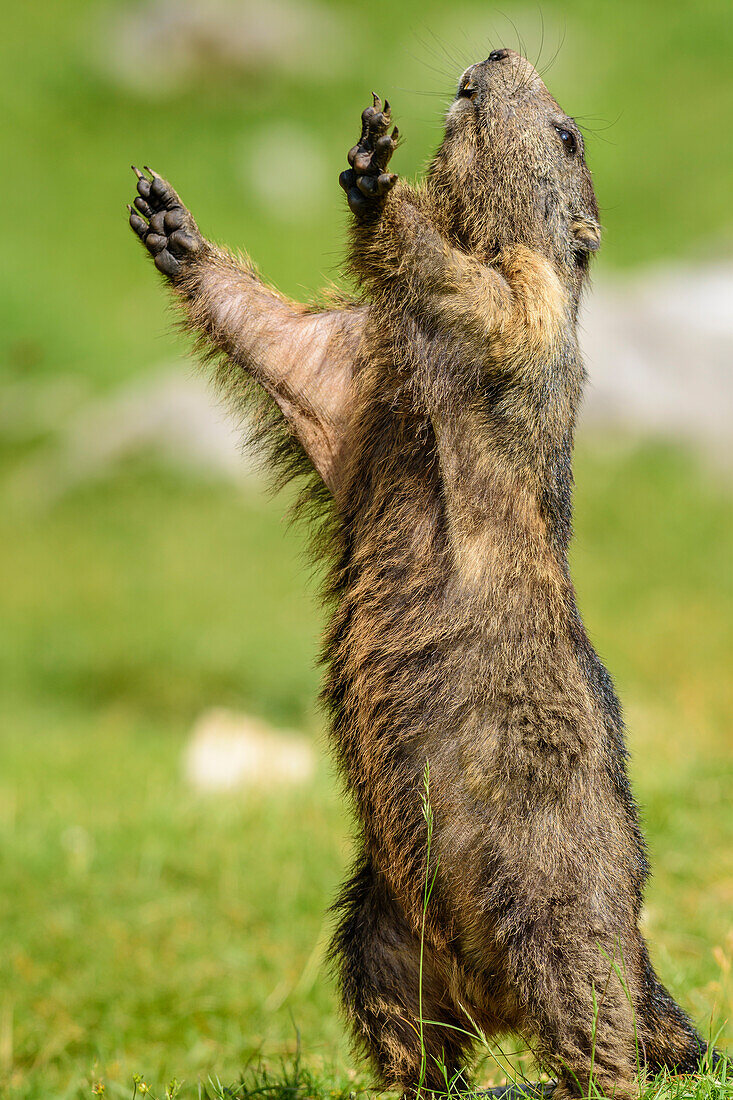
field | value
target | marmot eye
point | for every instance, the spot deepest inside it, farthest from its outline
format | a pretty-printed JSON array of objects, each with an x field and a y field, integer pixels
[
  {"x": 466, "y": 92},
  {"x": 568, "y": 139}
]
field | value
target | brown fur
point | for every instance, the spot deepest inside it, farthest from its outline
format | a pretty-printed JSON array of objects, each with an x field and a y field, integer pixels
[{"x": 439, "y": 411}]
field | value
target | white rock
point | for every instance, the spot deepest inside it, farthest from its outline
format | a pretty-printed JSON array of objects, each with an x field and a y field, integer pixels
[
  {"x": 172, "y": 414},
  {"x": 228, "y": 750},
  {"x": 659, "y": 352}
]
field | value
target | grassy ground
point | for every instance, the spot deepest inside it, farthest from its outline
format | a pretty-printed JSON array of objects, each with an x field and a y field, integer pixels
[{"x": 145, "y": 930}]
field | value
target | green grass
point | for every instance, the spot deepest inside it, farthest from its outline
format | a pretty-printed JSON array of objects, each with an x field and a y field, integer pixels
[
  {"x": 149, "y": 931},
  {"x": 290, "y": 1080}
]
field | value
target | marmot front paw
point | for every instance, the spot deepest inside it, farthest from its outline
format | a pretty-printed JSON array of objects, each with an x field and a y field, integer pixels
[
  {"x": 367, "y": 179},
  {"x": 170, "y": 234}
]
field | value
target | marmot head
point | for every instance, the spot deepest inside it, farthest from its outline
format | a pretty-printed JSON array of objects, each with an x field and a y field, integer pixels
[{"x": 511, "y": 167}]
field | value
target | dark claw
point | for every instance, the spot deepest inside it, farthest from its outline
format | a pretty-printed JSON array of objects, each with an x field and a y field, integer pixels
[
  {"x": 395, "y": 135},
  {"x": 377, "y": 103},
  {"x": 542, "y": 1090},
  {"x": 137, "y": 172}
]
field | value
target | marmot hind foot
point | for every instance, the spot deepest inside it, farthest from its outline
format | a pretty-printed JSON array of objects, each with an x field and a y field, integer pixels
[{"x": 528, "y": 1090}]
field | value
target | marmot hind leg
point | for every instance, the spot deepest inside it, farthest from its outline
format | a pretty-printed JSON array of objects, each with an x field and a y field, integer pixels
[
  {"x": 577, "y": 1017},
  {"x": 668, "y": 1039},
  {"x": 377, "y": 956}
]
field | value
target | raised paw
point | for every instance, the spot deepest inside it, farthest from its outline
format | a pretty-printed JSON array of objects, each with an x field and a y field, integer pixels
[
  {"x": 367, "y": 181},
  {"x": 163, "y": 223}
]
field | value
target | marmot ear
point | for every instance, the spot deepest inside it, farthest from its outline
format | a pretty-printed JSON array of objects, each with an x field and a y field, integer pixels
[{"x": 586, "y": 234}]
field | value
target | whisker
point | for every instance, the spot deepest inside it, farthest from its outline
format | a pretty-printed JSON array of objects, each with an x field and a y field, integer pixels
[
  {"x": 542, "y": 37},
  {"x": 520, "y": 43},
  {"x": 441, "y": 56},
  {"x": 443, "y": 73},
  {"x": 522, "y": 50},
  {"x": 597, "y": 118},
  {"x": 451, "y": 55},
  {"x": 554, "y": 57},
  {"x": 595, "y": 134},
  {"x": 470, "y": 43},
  {"x": 495, "y": 38},
  {"x": 422, "y": 91}
]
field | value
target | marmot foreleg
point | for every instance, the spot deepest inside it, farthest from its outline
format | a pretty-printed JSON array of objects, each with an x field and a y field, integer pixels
[
  {"x": 301, "y": 358},
  {"x": 377, "y": 955}
]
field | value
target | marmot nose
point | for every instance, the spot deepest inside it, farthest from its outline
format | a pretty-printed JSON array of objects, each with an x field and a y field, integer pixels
[{"x": 498, "y": 55}]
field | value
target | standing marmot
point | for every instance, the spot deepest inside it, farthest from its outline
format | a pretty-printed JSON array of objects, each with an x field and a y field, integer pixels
[{"x": 439, "y": 411}]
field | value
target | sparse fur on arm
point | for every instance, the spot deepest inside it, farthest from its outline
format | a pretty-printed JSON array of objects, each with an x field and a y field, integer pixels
[{"x": 301, "y": 357}]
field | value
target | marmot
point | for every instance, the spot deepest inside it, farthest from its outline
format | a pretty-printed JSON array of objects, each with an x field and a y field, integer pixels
[{"x": 438, "y": 411}]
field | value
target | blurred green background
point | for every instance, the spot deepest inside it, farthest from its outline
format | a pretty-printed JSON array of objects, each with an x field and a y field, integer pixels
[{"x": 147, "y": 928}]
